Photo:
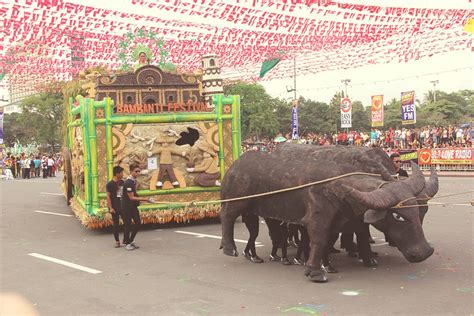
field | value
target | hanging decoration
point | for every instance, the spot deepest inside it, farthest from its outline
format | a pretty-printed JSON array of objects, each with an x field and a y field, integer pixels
[{"x": 52, "y": 39}]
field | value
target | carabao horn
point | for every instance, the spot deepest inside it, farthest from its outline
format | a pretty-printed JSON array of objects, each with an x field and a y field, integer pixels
[{"x": 416, "y": 181}]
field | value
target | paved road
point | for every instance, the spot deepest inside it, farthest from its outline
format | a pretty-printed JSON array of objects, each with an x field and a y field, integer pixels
[{"x": 174, "y": 273}]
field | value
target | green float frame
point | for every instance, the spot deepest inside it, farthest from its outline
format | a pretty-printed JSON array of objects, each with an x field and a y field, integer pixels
[{"x": 87, "y": 121}]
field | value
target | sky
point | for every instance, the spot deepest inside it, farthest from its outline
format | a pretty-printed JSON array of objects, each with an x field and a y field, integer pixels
[{"x": 385, "y": 79}]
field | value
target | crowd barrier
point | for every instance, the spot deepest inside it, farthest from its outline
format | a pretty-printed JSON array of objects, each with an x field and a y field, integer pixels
[{"x": 444, "y": 159}]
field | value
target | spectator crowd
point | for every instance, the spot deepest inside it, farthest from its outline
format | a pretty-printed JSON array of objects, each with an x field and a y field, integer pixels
[
  {"x": 29, "y": 166},
  {"x": 390, "y": 139}
]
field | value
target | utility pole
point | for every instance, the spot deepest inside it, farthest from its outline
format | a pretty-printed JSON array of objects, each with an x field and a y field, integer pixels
[
  {"x": 293, "y": 89},
  {"x": 294, "y": 111},
  {"x": 345, "y": 82},
  {"x": 294, "y": 76},
  {"x": 434, "y": 83}
]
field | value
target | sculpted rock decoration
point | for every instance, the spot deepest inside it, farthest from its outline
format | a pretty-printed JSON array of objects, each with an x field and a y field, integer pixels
[
  {"x": 183, "y": 154},
  {"x": 166, "y": 161},
  {"x": 208, "y": 168}
]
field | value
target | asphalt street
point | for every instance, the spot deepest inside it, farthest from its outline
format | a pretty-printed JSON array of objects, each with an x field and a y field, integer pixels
[{"x": 179, "y": 269}]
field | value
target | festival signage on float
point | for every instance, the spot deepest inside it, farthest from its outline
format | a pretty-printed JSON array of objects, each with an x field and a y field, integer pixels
[
  {"x": 294, "y": 121},
  {"x": 408, "y": 108},
  {"x": 377, "y": 110},
  {"x": 446, "y": 156},
  {"x": 346, "y": 113},
  {"x": 154, "y": 108}
]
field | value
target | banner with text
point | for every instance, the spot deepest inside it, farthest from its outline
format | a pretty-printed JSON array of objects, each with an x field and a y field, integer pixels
[
  {"x": 408, "y": 108},
  {"x": 377, "y": 110},
  {"x": 346, "y": 113},
  {"x": 408, "y": 155},
  {"x": 446, "y": 156},
  {"x": 294, "y": 123}
]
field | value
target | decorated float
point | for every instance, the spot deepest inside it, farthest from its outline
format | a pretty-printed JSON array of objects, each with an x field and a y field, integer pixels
[{"x": 178, "y": 127}]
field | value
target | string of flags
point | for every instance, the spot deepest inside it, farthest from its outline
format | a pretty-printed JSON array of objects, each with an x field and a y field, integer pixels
[{"x": 56, "y": 38}]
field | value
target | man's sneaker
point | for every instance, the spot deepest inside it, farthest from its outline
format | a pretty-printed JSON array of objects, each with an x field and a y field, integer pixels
[
  {"x": 129, "y": 247},
  {"x": 298, "y": 262},
  {"x": 159, "y": 184},
  {"x": 117, "y": 244},
  {"x": 133, "y": 245},
  {"x": 274, "y": 258},
  {"x": 246, "y": 254},
  {"x": 256, "y": 259},
  {"x": 175, "y": 183}
]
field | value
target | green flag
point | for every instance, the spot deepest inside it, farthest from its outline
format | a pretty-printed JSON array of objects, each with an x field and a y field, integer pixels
[
  {"x": 268, "y": 65},
  {"x": 2, "y": 74}
]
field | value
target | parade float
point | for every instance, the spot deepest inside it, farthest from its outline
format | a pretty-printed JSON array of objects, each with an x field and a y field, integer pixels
[{"x": 146, "y": 115}]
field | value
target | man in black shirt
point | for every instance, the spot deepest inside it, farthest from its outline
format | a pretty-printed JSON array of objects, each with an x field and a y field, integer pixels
[
  {"x": 114, "y": 190},
  {"x": 397, "y": 162},
  {"x": 130, "y": 203}
]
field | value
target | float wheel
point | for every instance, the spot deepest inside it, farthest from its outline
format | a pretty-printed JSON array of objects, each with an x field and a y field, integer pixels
[{"x": 68, "y": 175}]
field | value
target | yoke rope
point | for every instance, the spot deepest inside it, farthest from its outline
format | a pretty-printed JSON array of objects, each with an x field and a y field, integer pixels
[
  {"x": 448, "y": 195},
  {"x": 272, "y": 192}
]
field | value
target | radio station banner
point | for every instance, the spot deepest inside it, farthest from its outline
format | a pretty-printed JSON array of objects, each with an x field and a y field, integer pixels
[
  {"x": 294, "y": 123},
  {"x": 346, "y": 113},
  {"x": 408, "y": 108},
  {"x": 446, "y": 156},
  {"x": 377, "y": 110}
]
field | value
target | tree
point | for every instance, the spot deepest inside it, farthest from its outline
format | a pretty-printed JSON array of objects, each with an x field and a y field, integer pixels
[
  {"x": 449, "y": 108},
  {"x": 360, "y": 118},
  {"x": 282, "y": 113},
  {"x": 42, "y": 115},
  {"x": 257, "y": 110},
  {"x": 313, "y": 116},
  {"x": 15, "y": 130},
  {"x": 334, "y": 118},
  {"x": 393, "y": 113}
]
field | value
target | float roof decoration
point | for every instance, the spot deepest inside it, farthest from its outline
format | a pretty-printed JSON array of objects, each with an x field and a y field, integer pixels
[{"x": 56, "y": 38}]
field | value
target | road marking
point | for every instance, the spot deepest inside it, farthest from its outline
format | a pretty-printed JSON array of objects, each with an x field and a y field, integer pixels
[
  {"x": 51, "y": 213},
  {"x": 49, "y": 193},
  {"x": 38, "y": 181},
  {"x": 200, "y": 235},
  {"x": 448, "y": 204},
  {"x": 65, "y": 263}
]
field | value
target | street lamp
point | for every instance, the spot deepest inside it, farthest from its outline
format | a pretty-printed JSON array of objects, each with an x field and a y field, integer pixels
[
  {"x": 434, "y": 83},
  {"x": 289, "y": 88},
  {"x": 345, "y": 82}
]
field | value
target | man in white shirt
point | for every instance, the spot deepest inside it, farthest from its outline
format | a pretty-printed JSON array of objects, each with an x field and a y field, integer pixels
[{"x": 50, "y": 166}]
